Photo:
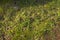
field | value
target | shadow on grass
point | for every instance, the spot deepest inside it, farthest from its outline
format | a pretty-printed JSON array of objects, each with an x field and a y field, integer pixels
[{"x": 24, "y": 3}]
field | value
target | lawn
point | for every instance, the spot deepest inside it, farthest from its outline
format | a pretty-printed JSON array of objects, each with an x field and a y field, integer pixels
[{"x": 29, "y": 20}]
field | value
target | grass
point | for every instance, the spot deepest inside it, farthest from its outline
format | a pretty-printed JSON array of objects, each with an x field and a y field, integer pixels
[{"x": 28, "y": 21}]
